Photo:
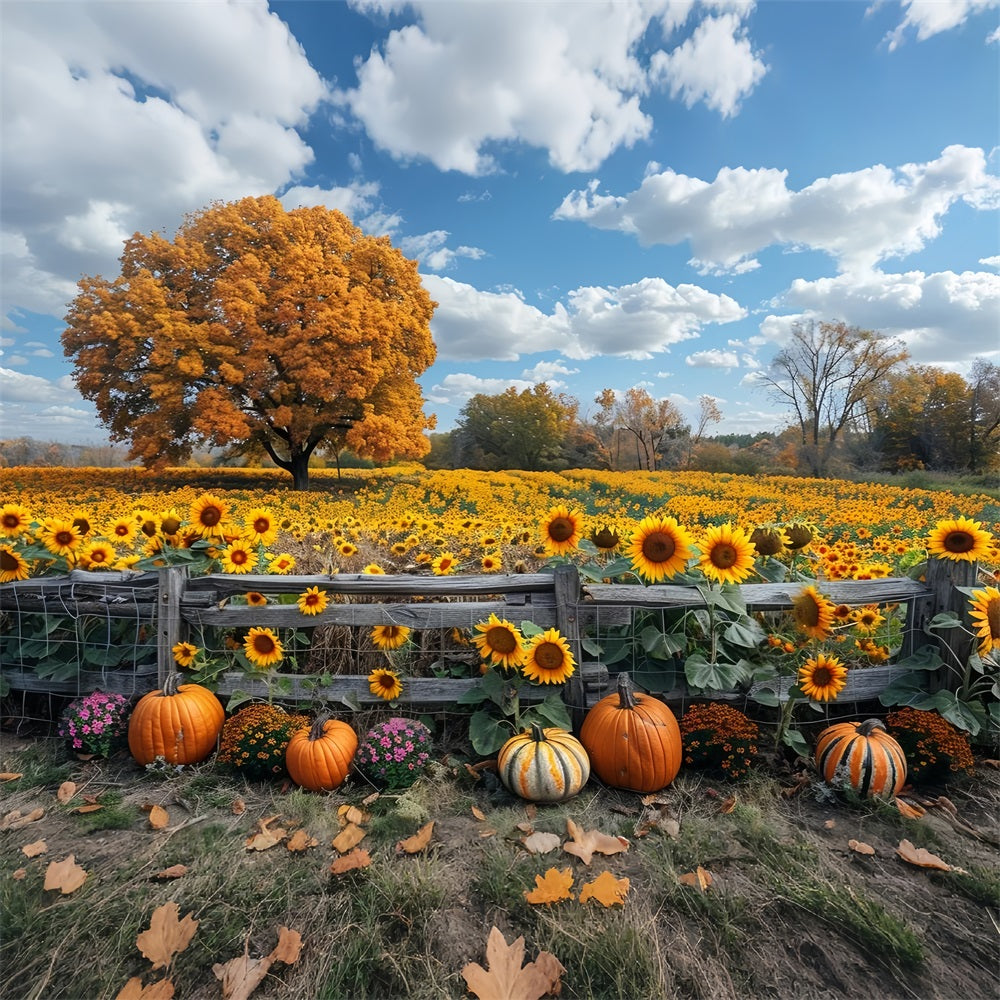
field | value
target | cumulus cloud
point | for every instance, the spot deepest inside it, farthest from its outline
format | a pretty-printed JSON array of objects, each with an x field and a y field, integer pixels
[
  {"x": 206, "y": 99},
  {"x": 930, "y": 17},
  {"x": 741, "y": 211},
  {"x": 430, "y": 250},
  {"x": 567, "y": 78},
  {"x": 713, "y": 359},
  {"x": 637, "y": 320},
  {"x": 459, "y": 387}
]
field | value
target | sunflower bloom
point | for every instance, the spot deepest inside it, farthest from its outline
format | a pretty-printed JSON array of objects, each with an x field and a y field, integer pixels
[
  {"x": 813, "y": 613},
  {"x": 98, "y": 555},
  {"x": 373, "y": 569},
  {"x": 491, "y": 563},
  {"x": 122, "y": 530},
  {"x": 960, "y": 539},
  {"x": 500, "y": 642},
  {"x": 281, "y": 564},
  {"x": 659, "y": 548},
  {"x": 985, "y": 613},
  {"x": 605, "y": 538},
  {"x": 385, "y": 683},
  {"x": 263, "y": 648},
  {"x": 207, "y": 515},
  {"x": 727, "y": 554},
  {"x": 60, "y": 537},
  {"x": 867, "y": 619},
  {"x": 548, "y": 659},
  {"x": 822, "y": 677},
  {"x": 444, "y": 564},
  {"x": 561, "y": 530},
  {"x": 256, "y": 599},
  {"x": 390, "y": 636},
  {"x": 184, "y": 653},
  {"x": 14, "y": 520},
  {"x": 238, "y": 558},
  {"x": 13, "y": 566},
  {"x": 348, "y": 549},
  {"x": 260, "y": 527},
  {"x": 313, "y": 601}
]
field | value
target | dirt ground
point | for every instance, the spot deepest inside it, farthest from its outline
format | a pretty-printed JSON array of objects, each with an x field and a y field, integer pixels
[{"x": 761, "y": 930}]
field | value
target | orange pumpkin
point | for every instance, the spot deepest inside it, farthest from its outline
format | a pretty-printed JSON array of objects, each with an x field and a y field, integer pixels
[
  {"x": 319, "y": 758},
  {"x": 863, "y": 755},
  {"x": 543, "y": 765},
  {"x": 633, "y": 740},
  {"x": 180, "y": 723}
]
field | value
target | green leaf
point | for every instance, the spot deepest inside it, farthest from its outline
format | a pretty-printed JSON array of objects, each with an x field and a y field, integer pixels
[
  {"x": 905, "y": 690},
  {"x": 592, "y": 647},
  {"x": 946, "y": 619},
  {"x": 350, "y": 699},
  {"x": 475, "y": 695},
  {"x": 552, "y": 710},
  {"x": 772, "y": 570},
  {"x": 487, "y": 733},
  {"x": 959, "y": 713},
  {"x": 701, "y": 673},
  {"x": 766, "y": 696},
  {"x": 529, "y": 629},
  {"x": 237, "y": 698},
  {"x": 729, "y": 597},
  {"x": 794, "y": 739},
  {"x": 925, "y": 658},
  {"x": 746, "y": 634},
  {"x": 659, "y": 645},
  {"x": 617, "y": 567}
]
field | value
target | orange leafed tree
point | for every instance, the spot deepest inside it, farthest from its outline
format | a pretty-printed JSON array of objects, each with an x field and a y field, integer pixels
[{"x": 257, "y": 330}]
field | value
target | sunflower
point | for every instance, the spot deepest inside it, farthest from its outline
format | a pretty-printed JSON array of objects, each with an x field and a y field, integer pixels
[
  {"x": 985, "y": 614},
  {"x": 60, "y": 537},
  {"x": 606, "y": 538},
  {"x": 491, "y": 563},
  {"x": 82, "y": 524},
  {"x": 799, "y": 534},
  {"x": 813, "y": 613},
  {"x": 444, "y": 564},
  {"x": 14, "y": 520},
  {"x": 561, "y": 530},
  {"x": 255, "y": 599},
  {"x": 769, "y": 539},
  {"x": 122, "y": 530},
  {"x": 263, "y": 648},
  {"x": 659, "y": 548},
  {"x": 347, "y": 549},
  {"x": 238, "y": 558},
  {"x": 843, "y": 612},
  {"x": 184, "y": 653},
  {"x": 500, "y": 642},
  {"x": 207, "y": 514},
  {"x": 373, "y": 569},
  {"x": 390, "y": 636},
  {"x": 822, "y": 677},
  {"x": 281, "y": 564},
  {"x": 13, "y": 566},
  {"x": 259, "y": 526},
  {"x": 313, "y": 601},
  {"x": 727, "y": 554},
  {"x": 385, "y": 683},
  {"x": 170, "y": 522},
  {"x": 868, "y": 619},
  {"x": 97, "y": 555},
  {"x": 960, "y": 539},
  {"x": 548, "y": 659},
  {"x": 146, "y": 523}
]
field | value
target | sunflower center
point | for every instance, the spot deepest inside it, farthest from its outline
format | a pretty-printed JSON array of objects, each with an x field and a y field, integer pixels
[
  {"x": 993, "y": 618},
  {"x": 822, "y": 676},
  {"x": 238, "y": 557},
  {"x": 605, "y": 539},
  {"x": 807, "y": 612},
  {"x": 501, "y": 640},
  {"x": 171, "y": 525},
  {"x": 7, "y": 561},
  {"x": 11, "y": 521},
  {"x": 386, "y": 681},
  {"x": 549, "y": 656},
  {"x": 98, "y": 556},
  {"x": 658, "y": 547},
  {"x": 210, "y": 516},
  {"x": 768, "y": 542},
  {"x": 65, "y": 537},
  {"x": 959, "y": 541},
  {"x": 121, "y": 530},
  {"x": 148, "y": 529},
  {"x": 82, "y": 524},
  {"x": 262, "y": 526},
  {"x": 723, "y": 555},
  {"x": 561, "y": 529},
  {"x": 263, "y": 645}
]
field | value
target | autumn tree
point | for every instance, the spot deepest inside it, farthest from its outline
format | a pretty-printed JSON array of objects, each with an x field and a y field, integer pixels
[
  {"x": 828, "y": 373},
  {"x": 257, "y": 330},
  {"x": 708, "y": 413},
  {"x": 515, "y": 430},
  {"x": 639, "y": 431}
]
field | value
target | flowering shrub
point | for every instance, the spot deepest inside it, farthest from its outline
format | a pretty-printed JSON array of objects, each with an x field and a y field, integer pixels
[
  {"x": 720, "y": 738},
  {"x": 96, "y": 724},
  {"x": 254, "y": 740},
  {"x": 935, "y": 749},
  {"x": 394, "y": 753}
]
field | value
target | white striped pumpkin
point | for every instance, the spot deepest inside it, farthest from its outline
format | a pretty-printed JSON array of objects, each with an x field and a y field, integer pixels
[
  {"x": 543, "y": 765},
  {"x": 862, "y": 755}
]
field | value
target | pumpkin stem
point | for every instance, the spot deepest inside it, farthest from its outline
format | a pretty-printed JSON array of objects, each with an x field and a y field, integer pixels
[
  {"x": 171, "y": 683},
  {"x": 316, "y": 729},
  {"x": 626, "y": 693},
  {"x": 537, "y": 733},
  {"x": 869, "y": 726}
]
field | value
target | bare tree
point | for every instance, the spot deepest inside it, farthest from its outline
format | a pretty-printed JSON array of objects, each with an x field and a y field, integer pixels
[
  {"x": 828, "y": 374},
  {"x": 708, "y": 413},
  {"x": 648, "y": 424}
]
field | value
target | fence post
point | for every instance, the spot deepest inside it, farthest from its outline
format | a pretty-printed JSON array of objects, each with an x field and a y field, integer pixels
[
  {"x": 567, "y": 595},
  {"x": 168, "y": 618},
  {"x": 943, "y": 576}
]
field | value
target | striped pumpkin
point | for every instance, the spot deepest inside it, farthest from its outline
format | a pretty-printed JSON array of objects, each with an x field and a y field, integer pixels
[
  {"x": 862, "y": 755},
  {"x": 543, "y": 765}
]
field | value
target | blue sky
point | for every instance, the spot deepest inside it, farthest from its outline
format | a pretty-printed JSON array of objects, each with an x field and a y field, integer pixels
[{"x": 600, "y": 195}]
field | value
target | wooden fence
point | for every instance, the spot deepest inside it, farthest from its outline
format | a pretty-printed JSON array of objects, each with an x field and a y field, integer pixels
[{"x": 100, "y": 611}]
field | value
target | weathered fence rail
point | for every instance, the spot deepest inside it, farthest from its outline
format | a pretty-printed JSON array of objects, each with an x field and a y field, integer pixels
[{"x": 97, "y": 614}]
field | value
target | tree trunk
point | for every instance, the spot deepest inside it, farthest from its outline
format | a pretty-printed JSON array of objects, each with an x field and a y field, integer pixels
[{"x": 299, "y": 468}]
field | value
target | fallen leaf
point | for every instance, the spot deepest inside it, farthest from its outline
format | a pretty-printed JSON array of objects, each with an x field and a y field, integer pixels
[
  {"x": 728, "y": 805},
  {"x": 265, "y": 837},
  {"x": 348, "y": 838},
  {"x": 908, "y": 810},
  {"x": 531, "y": 810},
  {"x": 540, "y": 842},
  {"x": 174, "y": 871},
  {"x": 9, "y": 776},
  {"x": 802, "y": 780},
  {"x": 606, "y": 889},
  {"x": 289, "y": 946},
  {"x": 552, "y": 887},
  {"x": 487, "y": 831},
  {"x": 369, "y": 799},
  {"x": 301, "y": 841},
  {"x": 14, "y": 820},
  {"x": 90, "y": 807},
  {"x": 921, "y": 857},
  {"x": 653, "y": 799},
  {"x": 19, "y": 874},
  {"x": 346, "y": 815},
  {"x": 242, "y": 975},
  {"x": 698, "y": 879},
  {"x": 417, "y": 843},
  {"x": 158, "y": 817},
  {"x": 586, "y": 843},
  {"x": 358, "y": 858},
  {"x": 35, "y": 848},
  {"x": 990, "y": 763},
  {"x": 66, "y": 791},
  {"x": 860, "y": 847},
  {"x": 525, "y": 826},
  {"x": 66, "y": 876},
  {"x": 166, "y": 936},
  {"x": 829, "y": 824},
  {"x": 162, "y": 989},
  {"x": 238, "y": 808},
  {"x": 478, "y": 813},
  {"x": 506, "y": 978}
]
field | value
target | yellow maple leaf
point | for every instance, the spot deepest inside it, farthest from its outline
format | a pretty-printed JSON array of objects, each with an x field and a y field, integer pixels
[
  {"x": 698, "y": 879},
  {"x": 418, "y": 842},
  {"x": 507, "y": 978},
  {"x": 606, "y": 889},
  {"x": 66, "y": 875},
  {"x": 552, "y": 887},
  {"x": 348, "y": 838},
  {"x": 166, "y": 935}
]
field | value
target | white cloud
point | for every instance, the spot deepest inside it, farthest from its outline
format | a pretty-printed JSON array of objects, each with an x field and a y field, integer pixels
[
  {"x": 125, "y": 117},
  {"x": 637, "y": 320},
  {"x": 549, "y": 371},
  {"x": 458, "y": 388},
  {"x": 354, "y": 200},
  {"x": 713, "y": 359},
  {"x": 990, "y": 261},
  {"x": 743, "y": 211},
  {"x": 430, "y": 250},
  {"x": 930, "y": 17}
]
